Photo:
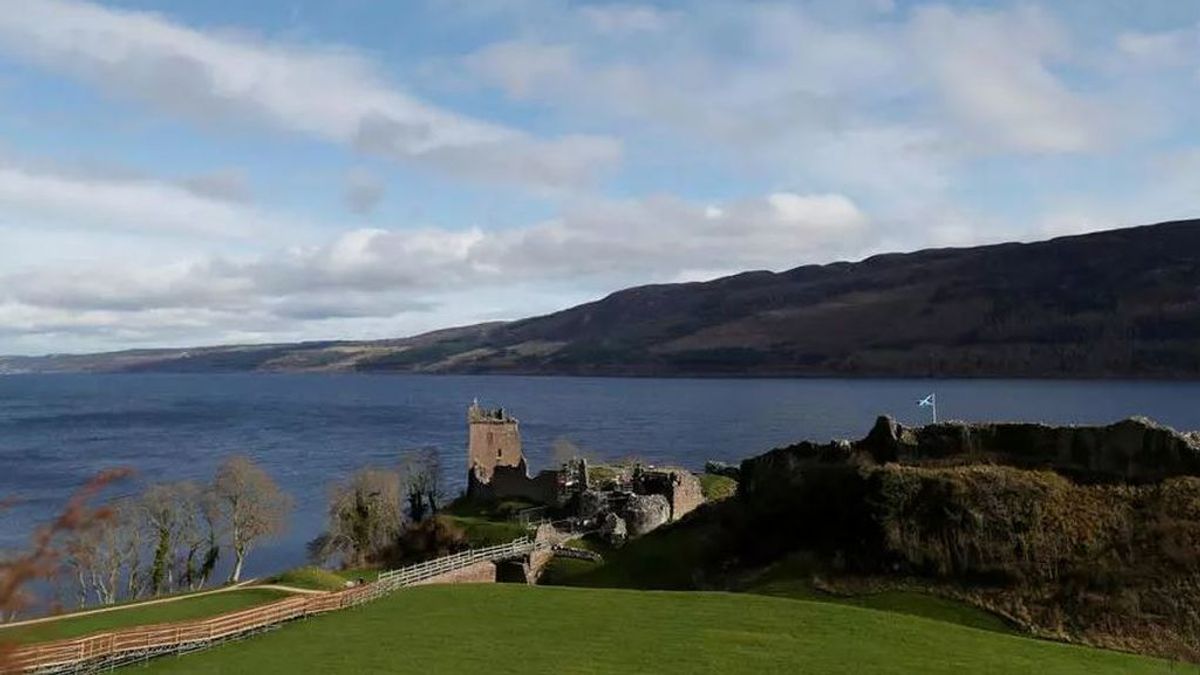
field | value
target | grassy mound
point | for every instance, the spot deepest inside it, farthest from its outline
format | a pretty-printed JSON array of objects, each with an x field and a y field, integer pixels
[
  {"x": 482, "y": 531},
  {"x": 487, "y": 523},
  {"x": 517, "y": 629},
  {"x": 364, "y": 573},
  {"x": 716, "y": 488},
  {"x": 314, "y": 578},
  {"x": 198, "y": 607}
]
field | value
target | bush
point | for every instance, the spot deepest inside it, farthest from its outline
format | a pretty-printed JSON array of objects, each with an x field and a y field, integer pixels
[{"x": 426, "y": 540}]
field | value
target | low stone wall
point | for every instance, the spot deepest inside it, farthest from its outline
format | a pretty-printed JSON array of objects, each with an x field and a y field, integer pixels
[{"x": 483, "y": 572}]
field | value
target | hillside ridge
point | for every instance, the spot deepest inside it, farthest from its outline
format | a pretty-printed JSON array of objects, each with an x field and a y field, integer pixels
[{"x": 1116, "y": 303}]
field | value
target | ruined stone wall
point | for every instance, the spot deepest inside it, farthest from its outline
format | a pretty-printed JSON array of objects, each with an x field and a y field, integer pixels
[
  {"x": 483, "y": 572},
  {"x": 1135, "y": 450},
  {"x": 680, "y": 487},
  {"x": 514, "y": 483},
  {"x": 686, "y": 494}
]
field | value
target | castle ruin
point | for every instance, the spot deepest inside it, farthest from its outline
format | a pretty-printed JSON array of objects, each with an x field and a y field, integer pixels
[{"x": 640, "y": 497}]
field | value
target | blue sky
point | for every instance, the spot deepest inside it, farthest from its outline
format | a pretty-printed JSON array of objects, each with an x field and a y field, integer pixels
[{"x": 178, "y": 173}]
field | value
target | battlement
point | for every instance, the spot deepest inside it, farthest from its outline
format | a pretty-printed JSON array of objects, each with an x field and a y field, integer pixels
[{"x": 477, "y": 414}]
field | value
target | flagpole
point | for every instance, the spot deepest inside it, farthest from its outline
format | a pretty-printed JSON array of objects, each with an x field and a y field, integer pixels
[{"x": 933, "y": 397}]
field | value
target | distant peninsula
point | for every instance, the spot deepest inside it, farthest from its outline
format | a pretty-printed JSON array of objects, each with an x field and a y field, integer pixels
[{"x": 1119, "y": 303}]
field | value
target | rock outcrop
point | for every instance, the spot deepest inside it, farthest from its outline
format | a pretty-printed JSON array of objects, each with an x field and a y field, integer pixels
[
  {"x": 1085, "y": 532},
  {"x": 644, "y": 513}
]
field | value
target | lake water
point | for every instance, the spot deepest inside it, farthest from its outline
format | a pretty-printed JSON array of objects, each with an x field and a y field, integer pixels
[{"x": 307, "y": 430}]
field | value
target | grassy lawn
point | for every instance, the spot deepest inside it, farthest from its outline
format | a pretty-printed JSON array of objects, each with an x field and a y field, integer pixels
[
  {"x": 792, "y": 578},
  {"x": 199, "y": 607},
  {"x": 518, "y": 629},
  {"x": 903, "y": 602}
]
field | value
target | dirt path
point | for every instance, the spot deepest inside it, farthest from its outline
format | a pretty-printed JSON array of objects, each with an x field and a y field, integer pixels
[
  {"x": 249, "y": 583},
  {"x": 290, "y": 589}
]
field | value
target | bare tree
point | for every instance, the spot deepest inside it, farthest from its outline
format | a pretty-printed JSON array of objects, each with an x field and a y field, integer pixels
[
  {"x": 44, "y": 558},
  {"x": 421, "y": 480},
  {"x": 364, "y": 518},
  {"x": 252, "y": 507},
  {"x": 100, "y": 555},
  {"x": 168, "y": 510},
  {"x": 195, "y": 534}
]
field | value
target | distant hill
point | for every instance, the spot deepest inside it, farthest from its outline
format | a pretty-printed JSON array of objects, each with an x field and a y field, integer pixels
[{"x": 1120, "y": 303}]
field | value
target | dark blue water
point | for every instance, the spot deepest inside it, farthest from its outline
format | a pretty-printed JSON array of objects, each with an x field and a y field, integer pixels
[{"x": 307, "y": 430}]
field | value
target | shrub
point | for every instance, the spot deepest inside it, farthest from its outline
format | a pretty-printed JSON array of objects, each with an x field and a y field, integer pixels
[{"x": 428, "y": 539}]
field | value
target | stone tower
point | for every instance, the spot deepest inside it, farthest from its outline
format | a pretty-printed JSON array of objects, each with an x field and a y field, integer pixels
[{"x": 494, "y": 440}]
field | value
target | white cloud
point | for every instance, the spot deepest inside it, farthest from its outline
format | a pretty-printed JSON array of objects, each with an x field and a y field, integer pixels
[
  {"x": 326, "y": 93},
  {"x": 522, "y": 67},
  {"x": 620, "y": 19},
  {"x": 1171, "y": 48},
  {"x": 123, "y": 203},
  {"x": 988, "y": 79},
  {"x": 991, "y": 68},
  {"x": 376, "y": 273}
]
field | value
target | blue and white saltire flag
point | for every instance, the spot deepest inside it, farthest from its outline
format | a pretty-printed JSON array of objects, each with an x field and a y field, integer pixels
[{"x": 931, "y": 401}]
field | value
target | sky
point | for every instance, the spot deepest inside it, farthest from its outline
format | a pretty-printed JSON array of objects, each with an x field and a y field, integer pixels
[{"x": 219, "y": 171}]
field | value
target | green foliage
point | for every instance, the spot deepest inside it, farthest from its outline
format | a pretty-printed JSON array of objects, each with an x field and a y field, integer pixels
[
  {"x": 716, "y": 488},
  {"x": 311, "y": 577},
  {"x": 158, "y": 573},
  {"x": 428, "y": 539},
  {"x": 504, "y": 628}
]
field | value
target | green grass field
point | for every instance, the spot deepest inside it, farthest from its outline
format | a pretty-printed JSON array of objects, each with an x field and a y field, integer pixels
[
  {"x": 198, "y": 607},
  {"x": 519, "y": 629}
]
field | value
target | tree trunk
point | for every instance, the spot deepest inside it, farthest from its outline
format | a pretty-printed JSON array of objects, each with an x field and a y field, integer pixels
[{"x": 239, "y": 556}]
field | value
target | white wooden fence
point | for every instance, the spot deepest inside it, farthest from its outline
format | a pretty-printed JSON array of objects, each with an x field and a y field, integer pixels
[{"x": 115, "y": 648}]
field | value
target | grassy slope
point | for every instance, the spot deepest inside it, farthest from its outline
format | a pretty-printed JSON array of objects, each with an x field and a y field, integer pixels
[
  {"x": 716, "y": 487},
  {"x": 518, "y": 629},
  {"x": 487, "y": 524},
  {"x": 487, "y": 532},
  {"x": 665, "y": 558},
  {"x": 314, "y": 578},
  {"x": 180, "y": 610}
]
